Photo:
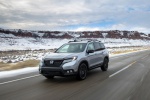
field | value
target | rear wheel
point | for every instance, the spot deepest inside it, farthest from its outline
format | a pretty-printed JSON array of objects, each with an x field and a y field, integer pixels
[
  {"x": 49, "y": 76},
  {"x": 82, "y": 72},
  {"x": 104, "y": 67}
]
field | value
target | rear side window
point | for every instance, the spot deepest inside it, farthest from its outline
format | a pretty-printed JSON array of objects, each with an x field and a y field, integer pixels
[
  {"x": 102, "y": 46},
  {"x": 90, "y": 46},
  {"x": 97, "y": 46}
]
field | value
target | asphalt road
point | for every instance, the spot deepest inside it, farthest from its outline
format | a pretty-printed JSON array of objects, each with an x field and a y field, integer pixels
[{"x": 128, "y": 78}]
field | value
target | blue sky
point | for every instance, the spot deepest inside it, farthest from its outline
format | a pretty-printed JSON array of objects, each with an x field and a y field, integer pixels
[
  {"x": 91, "y": 25},
  {"x": 76, "y": 15}
]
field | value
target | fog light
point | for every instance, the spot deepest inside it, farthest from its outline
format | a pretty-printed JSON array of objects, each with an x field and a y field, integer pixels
[{"x": 68, "y": 71}]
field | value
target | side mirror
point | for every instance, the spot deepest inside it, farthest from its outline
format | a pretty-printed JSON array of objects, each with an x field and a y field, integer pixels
[{"x": 90, "y": 51}]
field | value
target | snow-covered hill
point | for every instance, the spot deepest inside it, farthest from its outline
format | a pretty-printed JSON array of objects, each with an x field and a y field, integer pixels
[
  {"x": 31, "y": 40},
  {"x": 20, "y": 43}
]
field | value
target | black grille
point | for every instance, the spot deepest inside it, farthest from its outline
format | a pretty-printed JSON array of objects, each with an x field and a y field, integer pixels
[{"x": 56, "y": 63}]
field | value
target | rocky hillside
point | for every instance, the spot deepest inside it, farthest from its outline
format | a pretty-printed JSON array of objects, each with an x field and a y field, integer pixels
[{"x": 114, "y": 34}]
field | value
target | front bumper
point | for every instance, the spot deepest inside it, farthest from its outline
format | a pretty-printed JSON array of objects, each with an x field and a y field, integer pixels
[
  {"x": 56, "y": 71},
  {"x": 65, "y": 69}
]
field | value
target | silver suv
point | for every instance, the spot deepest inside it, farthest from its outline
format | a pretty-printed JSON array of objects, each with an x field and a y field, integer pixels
[{"x": 75, "y": 58}]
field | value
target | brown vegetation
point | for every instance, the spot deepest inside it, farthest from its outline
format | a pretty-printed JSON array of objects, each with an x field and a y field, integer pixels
[
  {"x": 11, "y": 66},
  {"x": 117, "y": 34}
]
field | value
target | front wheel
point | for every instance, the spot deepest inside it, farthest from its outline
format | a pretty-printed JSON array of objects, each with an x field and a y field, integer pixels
[
  {"x": 104, "y": 67},
  {"x": 82, "y": 72}
]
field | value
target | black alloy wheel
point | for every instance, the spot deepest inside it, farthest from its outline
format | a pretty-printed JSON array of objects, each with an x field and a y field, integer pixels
[
  {"x": 104, "y": 67},
  {"x": 82, "y": 72}
]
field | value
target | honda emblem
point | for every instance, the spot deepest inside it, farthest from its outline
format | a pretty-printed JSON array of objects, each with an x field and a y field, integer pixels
[{"x": 51, "y": 61}]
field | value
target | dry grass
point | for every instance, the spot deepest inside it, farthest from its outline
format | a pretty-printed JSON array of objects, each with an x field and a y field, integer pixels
[
  {"x": 11, "y": 66},
  {"x": 125, "y": 51},
  {"x": 129, "y": 50}
]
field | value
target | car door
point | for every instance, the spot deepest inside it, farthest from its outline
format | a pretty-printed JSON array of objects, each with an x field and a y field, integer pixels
[
  {"x": 103, "y": 50},
  {"x": 98, "y": 53},
  {"x": 91, "y": 56}
]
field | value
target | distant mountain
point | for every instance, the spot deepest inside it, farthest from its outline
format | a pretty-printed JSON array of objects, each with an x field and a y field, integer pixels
[{"x": 114, "y": 34}]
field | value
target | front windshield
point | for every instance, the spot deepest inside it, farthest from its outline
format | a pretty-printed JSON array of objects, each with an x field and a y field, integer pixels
[{"x": 72, "y": 48}]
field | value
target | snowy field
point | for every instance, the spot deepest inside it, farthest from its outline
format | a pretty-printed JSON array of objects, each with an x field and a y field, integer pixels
[{"x": 10, "y": 42}]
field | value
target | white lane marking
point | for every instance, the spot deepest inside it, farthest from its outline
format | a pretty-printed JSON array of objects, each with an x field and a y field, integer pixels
[
  {"x": 19, "y": 79},
  {"x": 145, "y": 57},
  {"x": 142, "y": 79},
  {"x": 122, "y": 69}
]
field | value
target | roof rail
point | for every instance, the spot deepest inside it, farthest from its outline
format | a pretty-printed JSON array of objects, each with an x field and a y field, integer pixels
[
  {"x": 88, "y": 40},
  {"x": 75, "y": 40},
  {"x": 92, "y": 39}
]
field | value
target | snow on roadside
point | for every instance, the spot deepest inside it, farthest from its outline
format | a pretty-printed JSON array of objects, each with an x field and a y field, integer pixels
[{"x": 12, "y": 73}]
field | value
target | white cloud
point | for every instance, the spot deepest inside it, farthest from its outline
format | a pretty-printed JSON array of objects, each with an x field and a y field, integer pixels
[
  {"x": 53, "y": 14},
  {"x": 141, "y": 29}
]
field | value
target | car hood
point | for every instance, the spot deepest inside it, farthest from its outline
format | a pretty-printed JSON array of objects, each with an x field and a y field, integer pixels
[{"x": 60, "y": 55}]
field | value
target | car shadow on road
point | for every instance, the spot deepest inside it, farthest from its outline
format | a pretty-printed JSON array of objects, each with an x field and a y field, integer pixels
[{"x": 91, "y": 75}]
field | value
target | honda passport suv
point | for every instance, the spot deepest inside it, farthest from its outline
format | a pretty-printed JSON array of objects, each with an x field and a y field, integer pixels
[{"x": 75, "y": 58}]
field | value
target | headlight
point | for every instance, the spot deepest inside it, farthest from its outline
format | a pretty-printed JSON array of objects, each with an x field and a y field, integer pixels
[{"x": 70, "y": 59}]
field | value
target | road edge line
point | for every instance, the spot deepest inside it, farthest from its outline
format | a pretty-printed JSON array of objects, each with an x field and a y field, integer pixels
[{"x": 19, "y": 79}]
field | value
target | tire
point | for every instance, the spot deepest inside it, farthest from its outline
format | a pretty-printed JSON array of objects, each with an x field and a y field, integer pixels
[
  {"x": 49, "y": 76},
  {"x": 82, "y": 72},
  {"x": 104, "y": 67}
]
